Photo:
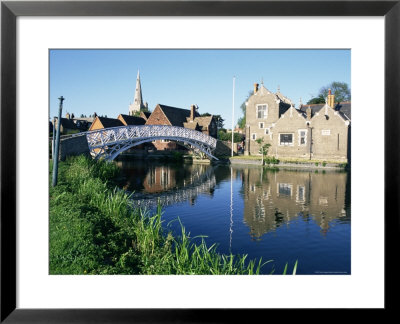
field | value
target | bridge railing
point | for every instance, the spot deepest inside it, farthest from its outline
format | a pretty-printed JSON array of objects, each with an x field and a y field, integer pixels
[{"x": 101, "y": 137}]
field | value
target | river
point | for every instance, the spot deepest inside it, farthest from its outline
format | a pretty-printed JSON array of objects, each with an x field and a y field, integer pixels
[{"x": 278, "y": 215}]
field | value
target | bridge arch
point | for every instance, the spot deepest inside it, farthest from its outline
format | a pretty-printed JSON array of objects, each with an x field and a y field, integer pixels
[{"x": 108, "y": 143}]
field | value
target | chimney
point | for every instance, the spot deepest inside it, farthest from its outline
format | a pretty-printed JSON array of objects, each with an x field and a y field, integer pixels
[
  {"x": 192, "y": 112},
  {"x": 68, "y": 116},
  {"x": 308, "y": 113},
  {"x": 255, "y": 88},
  {"x": 331, "y": 99}
]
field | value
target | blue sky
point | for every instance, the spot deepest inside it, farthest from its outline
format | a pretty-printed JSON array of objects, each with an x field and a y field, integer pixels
[{"x": 103, "y": 81}]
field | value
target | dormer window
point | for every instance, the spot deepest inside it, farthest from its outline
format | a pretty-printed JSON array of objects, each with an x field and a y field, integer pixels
[{"x": 262, "y": 111}]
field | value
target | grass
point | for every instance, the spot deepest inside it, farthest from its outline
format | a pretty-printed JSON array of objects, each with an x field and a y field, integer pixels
[{"x": 94, "y": 229}]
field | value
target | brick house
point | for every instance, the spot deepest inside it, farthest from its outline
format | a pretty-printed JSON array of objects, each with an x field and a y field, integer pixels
[
  {"x": 313, "y": 131},
  {"x": 172, "y": 116}
]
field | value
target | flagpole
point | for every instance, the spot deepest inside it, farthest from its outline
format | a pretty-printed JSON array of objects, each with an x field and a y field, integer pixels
[{"x": 233, "y": 112}]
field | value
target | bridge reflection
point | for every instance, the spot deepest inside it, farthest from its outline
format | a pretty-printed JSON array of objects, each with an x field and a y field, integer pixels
[{"x": 168, "y": 184}]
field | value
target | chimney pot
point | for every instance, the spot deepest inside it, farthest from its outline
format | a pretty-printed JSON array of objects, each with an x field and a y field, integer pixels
[
  {"x": 255, "y": 88},
  {"x": 192, "y": 112},
  {"x": 331, "y": 99}
]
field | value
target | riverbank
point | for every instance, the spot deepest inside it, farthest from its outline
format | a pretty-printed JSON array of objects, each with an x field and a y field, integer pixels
[
  {"x": 94, "y": 229},
  {"x": 288, "y": 163}
]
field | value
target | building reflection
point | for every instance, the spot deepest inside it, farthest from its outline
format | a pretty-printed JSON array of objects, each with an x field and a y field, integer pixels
[
  {"x": 273, "y": 198},
  {"x": 270, "y": 198}
]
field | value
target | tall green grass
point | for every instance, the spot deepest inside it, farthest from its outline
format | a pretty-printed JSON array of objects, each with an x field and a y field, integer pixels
[{"x": 94, "y": 229}]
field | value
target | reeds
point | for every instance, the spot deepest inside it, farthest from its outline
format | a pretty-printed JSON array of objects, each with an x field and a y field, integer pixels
[{"x": 94, "y": 229}]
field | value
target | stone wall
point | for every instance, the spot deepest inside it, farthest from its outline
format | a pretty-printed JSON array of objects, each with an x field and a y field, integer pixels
[
  {"x": 222, "y": 149},
  {"x": 330, "y": 135},
  {"x": 72, "y": 146},
  {"x": 294, "y": 124}
]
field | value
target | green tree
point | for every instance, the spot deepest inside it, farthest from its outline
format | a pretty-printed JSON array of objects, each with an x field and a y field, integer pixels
[
  {"x": 341, "y": 90},
  {"x": 263, "y": 149},
  {"x": 223, "y": 135},
  {"x": 316, "y": 100},
  {"x": 218, "y": 119},
  {"x": 242, "y": 120}
]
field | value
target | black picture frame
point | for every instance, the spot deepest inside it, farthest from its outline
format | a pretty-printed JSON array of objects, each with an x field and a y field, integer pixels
[{"x": 10, "y": 10}]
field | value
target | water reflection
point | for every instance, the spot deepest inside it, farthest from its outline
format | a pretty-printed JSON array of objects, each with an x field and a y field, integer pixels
[
  {"x": 270, "y": 199},
  {"x": 168, "y": 184}
]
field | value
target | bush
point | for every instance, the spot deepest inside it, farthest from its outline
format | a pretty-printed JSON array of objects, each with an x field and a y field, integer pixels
[{"x": 271, "y": 160}]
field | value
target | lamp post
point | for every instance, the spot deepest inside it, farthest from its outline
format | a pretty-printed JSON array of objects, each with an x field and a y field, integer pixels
[
  {"x": 54, "y": 137},
  {"x": 57, "y": 144},
  {"x": 233, "y": 112}
]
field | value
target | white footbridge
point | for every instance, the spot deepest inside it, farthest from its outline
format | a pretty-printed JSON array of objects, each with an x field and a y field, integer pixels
[{"x": 108, "y": 143}]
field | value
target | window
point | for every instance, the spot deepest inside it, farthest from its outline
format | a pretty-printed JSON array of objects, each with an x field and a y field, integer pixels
[
  {"x": 302, "y": 137},
  {"x": 267, "y": 131},
  {"x": 326, "y": 132},
  {"x": 285, "y": 139},
  {"x": 253, "y": 136},
  {"x": 323, "y": 201},
  {"x": 284, "y": 189},
  {"x": 261, "y": 125},
  {"x": 301, "y": 193},
  {"x": 262, "y": 111}
]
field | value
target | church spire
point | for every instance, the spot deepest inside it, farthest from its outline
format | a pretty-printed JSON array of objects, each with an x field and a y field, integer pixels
[{"x": 138, "y": 100}]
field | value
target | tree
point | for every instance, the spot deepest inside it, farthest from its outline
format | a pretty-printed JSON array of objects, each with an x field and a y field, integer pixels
[
  {"x": 242, "y": 120},
  {"x": 263, "y": 149},
  {"x": 316, "y": 100},
  {"x": 218, "y": 119},
  {"x": 225, "y": 136},
  {"x": 341, "y": 91}
]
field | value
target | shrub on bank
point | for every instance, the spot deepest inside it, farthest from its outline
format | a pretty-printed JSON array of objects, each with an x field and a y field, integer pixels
[{"x": 94, "y": 229}]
